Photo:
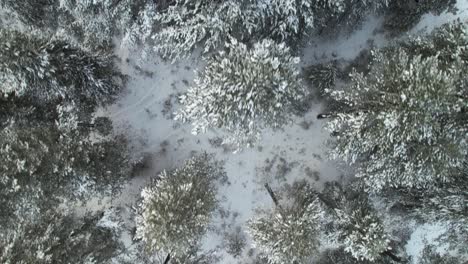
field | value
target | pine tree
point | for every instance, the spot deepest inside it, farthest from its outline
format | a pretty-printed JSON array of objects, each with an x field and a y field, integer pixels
[
  {"x": 244, "y": 90},
  {"x": 57, "y": 156},
  {"x": 353, "y": 223},
  {"x": 36, "y": 13},
  {"x": 353, "y": 13},
  {"x": 210, "y": 24},
  {"x": 53, "y": 70},
  {"x": 287, "y": 19},
  {"x": 186, "y": 24},
  {"x": 176, "y": 208},
  {"x": 46, "y": 156},
  {"x": 340, "y": 256},
  {"x": 402, "y": 14},
  {"x": 58, "y": 237},
  {"x": 404, "y": 123},
  {"x": 91, "y": 24},
  {"x": 288, "y": 232},
  {"x": 447, "y": 205},
  {"x": 96, "y": 23},
  {"x": 367, "y": 239},
  {"x": 139, "y": 33}
]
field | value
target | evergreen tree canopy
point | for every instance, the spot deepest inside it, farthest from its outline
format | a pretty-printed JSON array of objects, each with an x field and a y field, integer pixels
[
  {"x": 92, "y": 24},
  {"x": 176, "y": 209},
  {"x": 354, "y": 223},
  {"x": 96, "y": 23},
  {"x": 244, "y": 90},
  {"x": 288, "y": 233},
  {"x": 58, "y": 237},
  {"x": 52, "y": 69},
  {"x": 405, "y": 123},
  {"x": 403, "y": 14},
  {"x": 186, "y": 23},
  {"x": 45, "y": 155},
  {"x": 209, "y": 24},
  {"x": 54, "y": 155}
]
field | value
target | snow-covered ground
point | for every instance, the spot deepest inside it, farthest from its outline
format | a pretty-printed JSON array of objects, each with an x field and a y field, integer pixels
[
  {"x": 424, "y": 235},
  {"x": 145, "y": 111}
]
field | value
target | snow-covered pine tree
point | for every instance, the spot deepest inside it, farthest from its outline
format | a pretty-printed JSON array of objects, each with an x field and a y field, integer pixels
[
  {"x": 404, "y": 124},
  {"x": 58, "y": 237},
  {"x": 186, "y": 24},
  {"x": 447, "y": 205},
  {"x": 44, "y": 154},
  {"x": 403, "y": 14},
  {"x": 366, "y": 238},
  {"x": 340, "y": 256},
  {"x": 93, "y": 24},
  {"x": 210, "y": 24},
  {"x": 96, "y": 23},
  {"x": 175, "y": 210},
  {"x": 244, "y": 90},
  {"x": 288, "y": 232},
  {"x": 37, "y": 13},
  {"x": 448, "y": 42},
  {"x": 46, "y": 70},
  {"x": 354, "y": 224},
  {"x": 139, "y": 33},
  {"x": 351, "y": 14},
  {"x": 288, "y": 19}
]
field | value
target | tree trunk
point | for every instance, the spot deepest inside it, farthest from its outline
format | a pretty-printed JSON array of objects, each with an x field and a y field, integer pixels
[
  {"x": 272, "y": 194},
  {"x": 168, "y": 258},
  {"x": 392, "y": 256}
]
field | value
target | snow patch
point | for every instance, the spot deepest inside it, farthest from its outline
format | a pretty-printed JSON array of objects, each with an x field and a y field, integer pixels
[{"x": 423, "y": 235}]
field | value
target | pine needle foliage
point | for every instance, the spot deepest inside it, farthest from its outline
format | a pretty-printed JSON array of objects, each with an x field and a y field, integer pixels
[
  {"x": 175, "y": 210},
  {"x": 244, "y": 90},
  {"x": 404, "y": 123}
]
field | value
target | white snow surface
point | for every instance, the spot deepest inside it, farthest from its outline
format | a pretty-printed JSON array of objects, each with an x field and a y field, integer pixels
[
  {"x": 426, "y": 234},
  {"x": 139, "y": 115}
]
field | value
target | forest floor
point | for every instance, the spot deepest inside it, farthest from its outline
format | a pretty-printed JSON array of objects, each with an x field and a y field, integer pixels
[{"x": 145, "y": 114}]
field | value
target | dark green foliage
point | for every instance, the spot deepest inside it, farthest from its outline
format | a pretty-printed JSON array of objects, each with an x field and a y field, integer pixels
[
  {"x": 48, "y": 70},
  {"x": 449, "y": 42},
  {"x": 32, "y": 150},
  {"x": 449, "y": 202},
  {"x": 322, "y": 76},
  {"x": 37, "y": 13},
  {"x": 288, "y": 232},
  {"x": 404, "y": 14},
  {"x": 176, "y": 209},
  {"x": 92, "y": 24},
  {"x": 103, "y": 125},
  {"x": 58, "y": 238},
  {"x": 339, "y": 256},
  {"x": 375, "y": 128},
  {"x": 352, "y": 14},
  {"x": 44, "y": 157},
  {"x": 353, "y": 221}
]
